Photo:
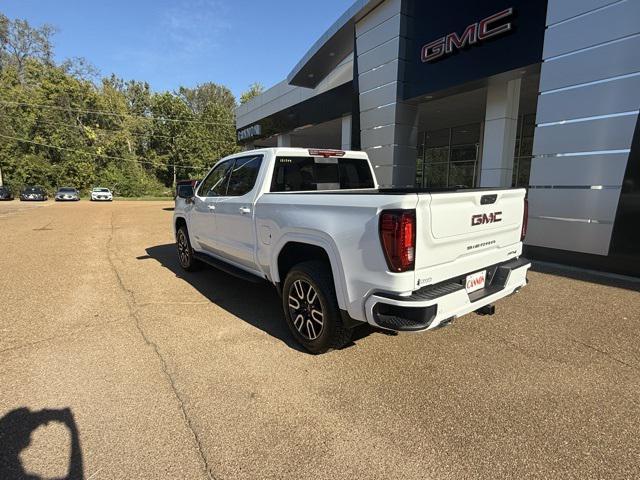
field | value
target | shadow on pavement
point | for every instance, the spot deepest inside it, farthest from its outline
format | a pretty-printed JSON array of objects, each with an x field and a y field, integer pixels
[
  {"x": 257, "y": 304},
  {"x": 16, "y": 428}
]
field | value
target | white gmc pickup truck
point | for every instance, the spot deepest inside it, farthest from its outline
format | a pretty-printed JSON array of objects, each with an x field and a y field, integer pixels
[{"x": 342, "y": 251}]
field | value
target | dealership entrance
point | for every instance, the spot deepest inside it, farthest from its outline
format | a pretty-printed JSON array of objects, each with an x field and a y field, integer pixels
[
  {"x": 451, "y": 135},
  {"x": 449, "y": 157}
]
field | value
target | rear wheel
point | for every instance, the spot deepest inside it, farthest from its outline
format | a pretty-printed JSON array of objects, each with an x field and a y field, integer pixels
[
  {"x": 185, "y": 252},
  {"x": 311, "y": 308}
]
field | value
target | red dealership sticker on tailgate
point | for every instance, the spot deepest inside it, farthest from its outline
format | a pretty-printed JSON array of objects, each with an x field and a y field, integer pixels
[{"x": 476, "y": 281}]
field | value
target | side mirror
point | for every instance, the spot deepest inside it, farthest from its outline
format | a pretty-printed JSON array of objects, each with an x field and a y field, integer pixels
[{"x": 185, "y": 191}]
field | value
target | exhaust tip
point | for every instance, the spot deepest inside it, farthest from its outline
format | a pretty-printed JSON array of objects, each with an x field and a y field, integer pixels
[{"x": 446, "y": 322}]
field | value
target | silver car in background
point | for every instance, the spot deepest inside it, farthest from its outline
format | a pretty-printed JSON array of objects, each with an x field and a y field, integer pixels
[
  {"x": 101, "y": 194},
  {"x": 67, "y": 194}
]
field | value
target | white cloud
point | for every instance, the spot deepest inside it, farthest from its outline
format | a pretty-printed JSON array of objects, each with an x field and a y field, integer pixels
[
  {"x": 176, "y": 44},
  {"x": 196, "y": 27}
]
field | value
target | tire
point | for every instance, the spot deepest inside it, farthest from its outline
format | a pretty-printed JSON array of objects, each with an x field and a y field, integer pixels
[
  {"x": 303, "y": 316},
  {"x": 185, "y": 252}
]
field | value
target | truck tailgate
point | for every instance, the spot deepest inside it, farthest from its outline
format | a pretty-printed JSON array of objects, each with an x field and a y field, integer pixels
[{"x": 461, "y": 231}]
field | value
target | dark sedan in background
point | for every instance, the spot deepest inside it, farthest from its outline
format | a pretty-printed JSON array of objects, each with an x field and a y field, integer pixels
[
  {"x": 33, "y": 194},
  {"x": 67, "y": 194},
  {"x": 5, "y": 193}
]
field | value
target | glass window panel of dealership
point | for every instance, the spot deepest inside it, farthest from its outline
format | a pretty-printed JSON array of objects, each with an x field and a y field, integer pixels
[{"x": 451, "y": 133}]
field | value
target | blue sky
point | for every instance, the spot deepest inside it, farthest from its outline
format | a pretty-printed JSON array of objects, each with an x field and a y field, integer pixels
[{"x": 184, "y": 42}]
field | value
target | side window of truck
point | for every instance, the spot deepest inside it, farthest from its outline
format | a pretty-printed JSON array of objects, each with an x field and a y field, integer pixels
[
  {"x": 243, "y": 175},
  {"x": 215, "y": 185}
]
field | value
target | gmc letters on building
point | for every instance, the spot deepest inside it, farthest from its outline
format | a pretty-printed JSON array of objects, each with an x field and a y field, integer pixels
[{"x": 474, "y": 33}]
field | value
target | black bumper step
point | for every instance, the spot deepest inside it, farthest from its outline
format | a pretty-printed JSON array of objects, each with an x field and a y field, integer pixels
[{"x": 404, "y": 319}]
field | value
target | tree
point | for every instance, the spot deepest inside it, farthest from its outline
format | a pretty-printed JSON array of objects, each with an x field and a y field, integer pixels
[
  {"x": 60, "y": 126},
  {"x": 80, "y": 67},
  {"x": 21, "y": 41},
  {"x": 201, "y": 96},
  {"x": 4, "y": 36},
  {"x": 255, "y": 89}
]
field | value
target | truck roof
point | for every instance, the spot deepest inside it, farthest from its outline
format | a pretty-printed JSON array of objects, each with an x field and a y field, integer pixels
[{"x": 302, "y": 152}]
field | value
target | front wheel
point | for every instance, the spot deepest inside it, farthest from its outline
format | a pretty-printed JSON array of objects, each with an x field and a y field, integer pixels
[
  {"x": 311, "y": 308},
  {"x": 185, "y": 252}
]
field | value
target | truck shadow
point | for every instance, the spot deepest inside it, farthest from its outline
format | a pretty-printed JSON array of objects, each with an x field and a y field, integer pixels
[
  {"x": 255, "y": 303},
  {"x": 16, "y": 428}
]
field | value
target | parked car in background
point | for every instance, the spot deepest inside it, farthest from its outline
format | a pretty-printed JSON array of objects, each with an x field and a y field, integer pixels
[
  {"x": 5, "y": 193},
  {"x": 101, "y": 194},
  {"x": 67, "y": 194},
  {"x": 33, "y": 194}
]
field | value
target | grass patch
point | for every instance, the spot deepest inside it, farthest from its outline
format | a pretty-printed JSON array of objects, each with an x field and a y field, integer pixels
[
  {"x": 130, "y": 199},
  {"x": 145, "y": 199}
]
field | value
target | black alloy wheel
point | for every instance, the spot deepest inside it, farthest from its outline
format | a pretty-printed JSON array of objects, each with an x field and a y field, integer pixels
[
  {"x": 185, "y": 252},
  {"x": 311, "y": 308},
  {"x": 305, "y": 310}
]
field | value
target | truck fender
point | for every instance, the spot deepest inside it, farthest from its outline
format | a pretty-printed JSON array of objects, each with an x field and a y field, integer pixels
[
  {"x": 178, "y": 219},
  {"x": 317, "y": 239}
]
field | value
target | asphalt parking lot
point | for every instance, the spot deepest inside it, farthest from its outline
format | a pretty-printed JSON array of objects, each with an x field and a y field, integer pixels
[{"x": 115, "y": 364}]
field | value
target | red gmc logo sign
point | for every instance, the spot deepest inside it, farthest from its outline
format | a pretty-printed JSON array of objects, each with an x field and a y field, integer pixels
[
  {"x": 474, "y": 33},
  {"x": 484, "y": 218}
]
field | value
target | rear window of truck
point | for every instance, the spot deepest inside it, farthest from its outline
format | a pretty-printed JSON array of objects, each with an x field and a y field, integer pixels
[{"x": 304, "y": 174}]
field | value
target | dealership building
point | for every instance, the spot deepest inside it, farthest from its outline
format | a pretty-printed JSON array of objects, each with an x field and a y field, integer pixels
[{"x": 494, "y": 93}]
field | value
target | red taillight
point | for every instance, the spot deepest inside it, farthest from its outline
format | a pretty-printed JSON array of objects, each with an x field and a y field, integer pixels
[
  {"x": 398, "y": 238},
  {"x": 326, "y": 153},
  {"x": 525, "y": 220}
]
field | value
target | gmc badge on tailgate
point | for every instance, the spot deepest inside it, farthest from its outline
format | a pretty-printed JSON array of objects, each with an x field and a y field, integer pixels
[{"x": 484, "y": 218}]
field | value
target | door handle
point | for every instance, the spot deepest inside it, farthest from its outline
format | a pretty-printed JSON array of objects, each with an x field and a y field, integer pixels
[{"x": 245, "y": 210}]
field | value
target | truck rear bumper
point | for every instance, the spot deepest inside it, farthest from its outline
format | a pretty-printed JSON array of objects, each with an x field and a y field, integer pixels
[{"x": 430, "y": 306}]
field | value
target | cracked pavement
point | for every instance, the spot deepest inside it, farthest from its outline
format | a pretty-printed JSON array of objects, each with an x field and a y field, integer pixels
[{"x": 174, "y": 375}]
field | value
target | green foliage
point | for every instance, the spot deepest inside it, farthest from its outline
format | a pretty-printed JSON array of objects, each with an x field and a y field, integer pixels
[
  {"x": 255, "y": 89},
  {"x": 60, "y": 127}
]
